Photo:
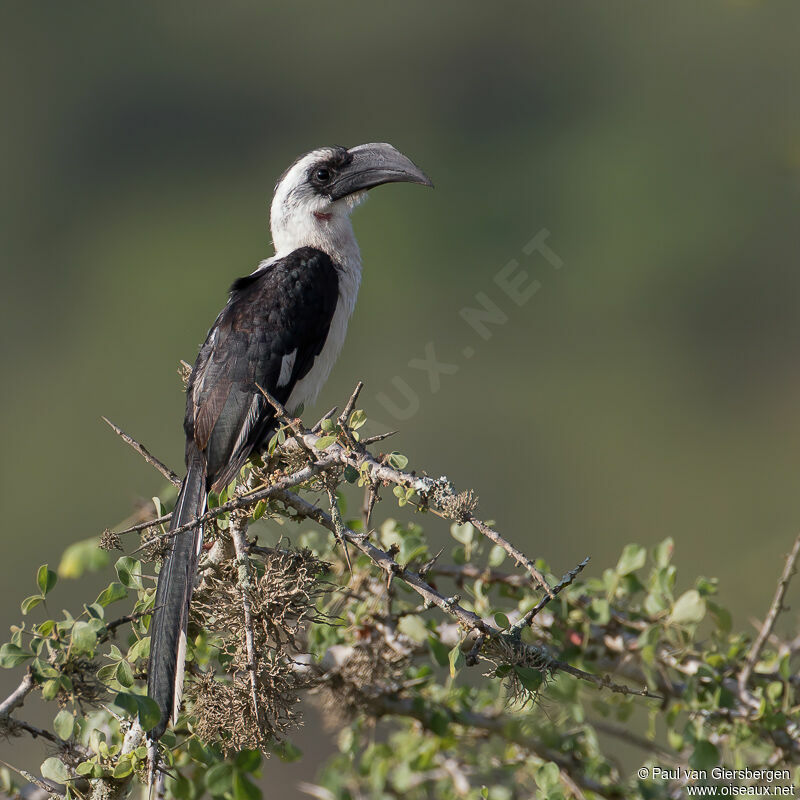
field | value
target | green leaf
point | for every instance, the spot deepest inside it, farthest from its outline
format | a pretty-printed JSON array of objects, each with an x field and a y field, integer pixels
[
  {"x": 84, "y": 638},
  {"x": 439, "y": 723},
  {"x": 45, "y": 579},
  {"x": 139, "y": 705},
  {"x": 113, "y": 592},
  {"x": 244, "y": 789},
  {"x": 438, "y": 650},
  {"x": 12, "y": 655},
  {"x": 633, "y": 557},
  {"x": 140, "y": 649},
  {"x": 350, "y": 474},
  {"x": 689, "y": 608},
  {"x": 530, "y": 678},
  {"x": 54, "y": 770},
  {"x": 397, "y": 460},
  {"x": 324, "y": 441},
  {"x": 663, "y": 552},
  {"x": 219, "y": 779},
  {"x": 496, "y": 556},
  {"x": 288, "y": 752},
  {"x": 82, "y": 556},
  {"x": 357, "y": 419},
  {"x": 149, "y": 712},
  {"x": 248, "y": 760},
  {"x": 462, "y": 533},
  {"x": 63, "y": 724},
  {"x": 41, "y": 669},
  {"x": 260, "y": 508},
  {"x": 123, "y": 768},
  {"x": 107, "y": 673},
  {"x": 129, "y": 571},
  {"x": 502, "y": 621},
  {"x": 51, "y": 688},
  {"x": 327, "y": 425},
  {"x": 413, "y": 627},
  {"x": 84, "y": 768},
  {"x": 125, "y": 674},
  {"x": 547, "y": 776},
  {"x": 31, "y": 602},
  {"x": 705, "y": 755},
  {"x": 456, "y": 659}
]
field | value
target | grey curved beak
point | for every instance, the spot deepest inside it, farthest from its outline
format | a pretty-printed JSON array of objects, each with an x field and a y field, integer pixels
[{"x": 372, "y": 165}]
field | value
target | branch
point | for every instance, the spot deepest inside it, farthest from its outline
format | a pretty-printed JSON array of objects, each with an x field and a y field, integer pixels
[
  {"x": 769, "y": 623},
  {"x": 171, "y": 476},
  {"x": 238, "y": 531},
  {"x": 449, "y": 605},
  {"x": 498, "y": 726},
  {"x": 17, "y": 697},
  {"x": 565, "y": 581}
]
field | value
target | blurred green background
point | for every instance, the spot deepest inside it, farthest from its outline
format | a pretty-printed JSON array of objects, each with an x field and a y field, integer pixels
[{"x": 650, "y": 388}]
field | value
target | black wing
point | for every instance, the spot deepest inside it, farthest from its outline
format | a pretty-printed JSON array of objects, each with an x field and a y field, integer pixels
[{"x": 269, "y": 333}]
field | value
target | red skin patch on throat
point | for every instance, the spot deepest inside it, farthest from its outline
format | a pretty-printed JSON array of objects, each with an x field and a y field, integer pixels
[{"x": 322, "y": 217}]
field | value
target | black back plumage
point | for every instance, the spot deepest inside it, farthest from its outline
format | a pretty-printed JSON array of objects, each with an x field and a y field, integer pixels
[
  {"x": 282, "y": 311},
  {"x": 274, "y": 325}
]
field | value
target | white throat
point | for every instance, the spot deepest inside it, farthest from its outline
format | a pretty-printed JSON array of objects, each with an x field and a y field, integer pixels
[{"x": 299, "y": 219}]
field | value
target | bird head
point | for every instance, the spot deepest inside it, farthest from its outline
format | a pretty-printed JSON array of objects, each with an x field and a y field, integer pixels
[{"x": 314, "y": 197}]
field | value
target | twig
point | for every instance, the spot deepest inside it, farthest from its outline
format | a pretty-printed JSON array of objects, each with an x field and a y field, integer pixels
[
  {"x": 290, "y": 422},
  {"x": 498, "y": 726},
  {"x": 350, "y": 405},
  {"x": 338, "y": 524},
  {"x": 518, "y": 556},
  {"x": 449, "y": 605},
  {"x": 327, "y": 415},
  {"x": 17, "y": 697},
  {"x": 39, "y": 783},
  {"x": 380, "y": 472},
  {"x": 383, "y": 560},
  {"x": 627, "y": 735},
  {"x": 462, "y": 572},
  {"x": 565, "y": 581},
  {"x": 378, "y": 437},
  {"x": 151, "y": 523},
  {"x": 238, "y": 530},
  {"x": 769, "y": 623},
  {"x": 370, "y": 498},
  {"x": 171, "y": 476}
]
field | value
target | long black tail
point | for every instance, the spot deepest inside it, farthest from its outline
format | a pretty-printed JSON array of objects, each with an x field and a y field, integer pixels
[{"x": 174, "y": 592}]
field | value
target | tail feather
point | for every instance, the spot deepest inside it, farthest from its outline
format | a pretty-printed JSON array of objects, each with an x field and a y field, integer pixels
[{"x": 173, "y": 594}]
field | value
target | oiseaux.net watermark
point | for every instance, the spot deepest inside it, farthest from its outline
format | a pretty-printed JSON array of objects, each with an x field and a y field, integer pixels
[{"x": 725, "y": 782}]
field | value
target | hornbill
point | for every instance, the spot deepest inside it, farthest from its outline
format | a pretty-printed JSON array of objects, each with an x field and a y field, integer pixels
[{"x": 281, "y": 329}]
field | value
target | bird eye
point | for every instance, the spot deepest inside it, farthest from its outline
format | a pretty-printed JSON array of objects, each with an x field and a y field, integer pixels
[{"x": 322, "y": 174}]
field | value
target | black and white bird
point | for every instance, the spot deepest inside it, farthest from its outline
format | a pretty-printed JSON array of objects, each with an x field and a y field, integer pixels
[{"x": 282, "y": 329}]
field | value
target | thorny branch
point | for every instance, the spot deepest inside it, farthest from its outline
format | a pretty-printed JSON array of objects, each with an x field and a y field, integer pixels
[
  {"x": 769, "y": 623},
  {"x": 436, "y": 494},
  {"x": 612, "y": 648},
  {"x": 238, "y": 531},
  {"x": 430, "y": 490}
]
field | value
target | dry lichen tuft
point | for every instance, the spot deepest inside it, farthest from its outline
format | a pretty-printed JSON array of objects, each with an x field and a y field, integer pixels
[
  {"x": 223, "y": 708},
  {"x": 154, "y": 544},
  {"x": 509, "y": 653},
  {"x": 358, "y": 676},
  {"x": 282, "y": 592},
  {"x": 459, "y": 507},
  {"x": 110, "y": 540}
]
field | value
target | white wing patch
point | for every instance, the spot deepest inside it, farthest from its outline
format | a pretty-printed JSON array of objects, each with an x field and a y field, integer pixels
[{"x": 287, "y": 365}]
